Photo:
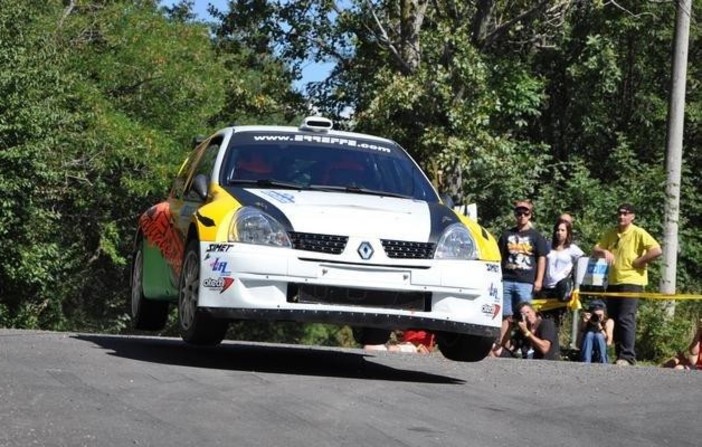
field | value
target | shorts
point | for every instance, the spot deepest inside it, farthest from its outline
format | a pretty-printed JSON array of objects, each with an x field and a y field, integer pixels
[{"x": 514, "y": 293}]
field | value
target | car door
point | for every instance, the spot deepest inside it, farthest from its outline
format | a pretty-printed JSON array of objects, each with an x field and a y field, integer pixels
[{"x": 184, "y": 202}]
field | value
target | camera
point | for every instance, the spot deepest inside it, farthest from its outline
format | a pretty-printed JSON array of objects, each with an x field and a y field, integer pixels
[{"x": 595, "y": 318}]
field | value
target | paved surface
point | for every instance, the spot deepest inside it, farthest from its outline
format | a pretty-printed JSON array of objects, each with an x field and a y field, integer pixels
[{"x": 62, "y": 389}]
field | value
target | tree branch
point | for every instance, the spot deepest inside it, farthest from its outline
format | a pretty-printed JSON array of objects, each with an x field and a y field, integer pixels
[
  {"x": 67, "y": 12},
  {"x": 495, "y": 34},
  {"x": 383, "y": 38}
]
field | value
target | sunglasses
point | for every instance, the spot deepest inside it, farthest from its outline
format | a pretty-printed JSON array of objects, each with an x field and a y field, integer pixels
[{"x": 522, "y": 213}]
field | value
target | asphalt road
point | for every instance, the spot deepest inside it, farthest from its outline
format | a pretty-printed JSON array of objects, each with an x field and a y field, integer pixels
[{"x": 64, "y": 389}]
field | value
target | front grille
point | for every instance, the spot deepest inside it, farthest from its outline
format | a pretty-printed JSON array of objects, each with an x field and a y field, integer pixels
[
  {"x": 323, "y": 243},
  {"x": 408, "y": 250},
  {"x": 307, "y": 293}
]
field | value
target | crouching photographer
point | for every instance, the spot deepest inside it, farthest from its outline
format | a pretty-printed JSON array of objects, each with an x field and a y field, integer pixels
[
  {"x": 596, "y": 333},
  {"x": 532, "y": 337}
]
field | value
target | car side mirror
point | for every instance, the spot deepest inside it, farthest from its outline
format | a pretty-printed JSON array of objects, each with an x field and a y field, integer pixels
[
  {"x": 201, "y": 186},
  {"x": 197, "y": 140}
]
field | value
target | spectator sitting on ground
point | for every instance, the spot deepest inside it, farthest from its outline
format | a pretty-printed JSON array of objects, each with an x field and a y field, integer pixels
[
  {"x": 691, "y": 358},
  {"x": 410, "y": 340},
  {"x": 535, "y": 337},
  {"x": 414, "y": 340},
  {"x": 596, "y": 332}
]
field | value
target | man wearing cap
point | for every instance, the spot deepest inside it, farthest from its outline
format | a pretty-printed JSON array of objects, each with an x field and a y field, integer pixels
[
  {"x": 523, "y": 251},
  {"x": 627, "y": 249}
]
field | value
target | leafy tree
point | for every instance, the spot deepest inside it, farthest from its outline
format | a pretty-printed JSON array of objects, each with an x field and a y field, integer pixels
[{"x": 33, "y": 115}]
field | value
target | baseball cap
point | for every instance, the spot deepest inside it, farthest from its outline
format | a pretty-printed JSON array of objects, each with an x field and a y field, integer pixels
[
  {"x": 523, "y": 204},
  {"x": 596, "y": 305},
  {"x": 628, "y": 207}
]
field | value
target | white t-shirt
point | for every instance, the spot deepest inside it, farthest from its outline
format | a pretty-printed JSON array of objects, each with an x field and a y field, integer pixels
[{"x": 559, "y": 264}]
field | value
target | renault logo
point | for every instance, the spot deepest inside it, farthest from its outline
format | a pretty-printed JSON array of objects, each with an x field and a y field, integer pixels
[{"x": 365, "y": 251}]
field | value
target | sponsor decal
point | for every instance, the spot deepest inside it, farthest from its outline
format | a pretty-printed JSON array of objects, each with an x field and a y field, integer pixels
[
  {"x": 158, "y": 226},
  {"x": 218, "y": 248},
  {"x": 323, "y": 139},
  {"x": 221, "y": 284},
  {"x": 491, "y": 309},
  {"x": 596, "y": 268},
  {"x": 495, "y": 293},
  {"x": 493, "y": 268},
  {"x": 219, "y": 266},
  {"x": 280, "y": 196}
]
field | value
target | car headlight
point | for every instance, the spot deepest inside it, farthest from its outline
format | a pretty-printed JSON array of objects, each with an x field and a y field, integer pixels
[
  {"x": 456, "y": 243},
  {"x": 253, "y": 226}
]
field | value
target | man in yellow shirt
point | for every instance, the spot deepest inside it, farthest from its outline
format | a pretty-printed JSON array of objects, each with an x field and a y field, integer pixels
[{"x": 628, "y": 249}]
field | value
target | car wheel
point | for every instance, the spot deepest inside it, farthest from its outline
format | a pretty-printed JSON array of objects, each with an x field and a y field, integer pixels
[
  {"x": 370, "y": 335},
  {"x": 464, "y": 347},
  {"x": 196, "y": 327},
  {"x": 149, "y": 315}
]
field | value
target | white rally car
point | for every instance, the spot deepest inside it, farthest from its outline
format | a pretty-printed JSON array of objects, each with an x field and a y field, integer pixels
[{"x": 314, "y": 225}]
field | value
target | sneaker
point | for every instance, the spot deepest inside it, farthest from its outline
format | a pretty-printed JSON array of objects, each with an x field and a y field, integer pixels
[{"x": 622, "y": 362}]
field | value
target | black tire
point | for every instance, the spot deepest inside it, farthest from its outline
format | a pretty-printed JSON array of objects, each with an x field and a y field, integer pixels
[
  {"x": 196, "y": 327},
  {"x": 370, "y": 335},
  {"x": 147, "y": 315},
  {"x": 464, "y": 347}
]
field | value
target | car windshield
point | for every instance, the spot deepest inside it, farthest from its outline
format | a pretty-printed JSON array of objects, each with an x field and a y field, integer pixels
[{"x": 321, "y": 162}]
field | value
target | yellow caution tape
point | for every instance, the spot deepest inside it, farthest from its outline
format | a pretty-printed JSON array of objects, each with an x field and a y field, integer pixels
[
  {"x": 575, "y": 304},
  {"x": 646, "y": 295},
  {"x": 543, "y": 305}
]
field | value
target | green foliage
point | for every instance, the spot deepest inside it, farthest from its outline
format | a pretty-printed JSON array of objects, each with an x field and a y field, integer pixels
[
  {"x": 98, "y": 104},
  {"x": 291, "y": 332},
  {"x": 659, "y": 339}
]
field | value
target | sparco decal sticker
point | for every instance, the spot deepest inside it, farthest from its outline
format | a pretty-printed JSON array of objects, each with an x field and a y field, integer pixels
[
  {"x": 158, "y": 226},
  {"x": 220, "y": 284},
  {"x": 218, "y": 248}
]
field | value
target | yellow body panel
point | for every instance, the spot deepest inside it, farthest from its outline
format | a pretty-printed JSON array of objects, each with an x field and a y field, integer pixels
[
  {"x": 487, "y": 247},
  {"x": 220, "y": 210}
]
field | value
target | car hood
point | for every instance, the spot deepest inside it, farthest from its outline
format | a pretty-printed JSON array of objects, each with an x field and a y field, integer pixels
[{"x": 349, "y": 214}]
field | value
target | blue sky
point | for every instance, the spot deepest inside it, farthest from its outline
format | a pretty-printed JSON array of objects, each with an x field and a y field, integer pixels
[{"x": 311, "y": 72}]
